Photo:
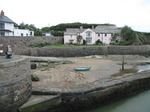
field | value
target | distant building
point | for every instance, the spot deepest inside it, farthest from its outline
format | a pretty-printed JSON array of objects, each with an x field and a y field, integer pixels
[
  {"x": 102, "y": 32},
  {"x": 48, "y": 34},
  {"x": 23, "y": 32},
  {"x": 7, "y": 28}
]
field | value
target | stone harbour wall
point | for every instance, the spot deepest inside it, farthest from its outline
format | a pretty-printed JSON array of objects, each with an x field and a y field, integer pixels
[
  {"x": 84, "y": 51},
  {"x": 17, "y": 42},
  {"x": 15, "y": 84},
  {"x": 115, "y": 89}
]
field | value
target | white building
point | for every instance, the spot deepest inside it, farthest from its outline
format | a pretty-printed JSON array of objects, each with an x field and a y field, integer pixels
[
  {"x": 104, "y": 33},
  {"x": 47, "y": 34},
  {"x": 7, "y": 28},
  {"x": 23, "y": 32}
]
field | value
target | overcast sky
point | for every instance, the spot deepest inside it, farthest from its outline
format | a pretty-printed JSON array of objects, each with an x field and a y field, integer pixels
[{"x": 43, "y": 13}]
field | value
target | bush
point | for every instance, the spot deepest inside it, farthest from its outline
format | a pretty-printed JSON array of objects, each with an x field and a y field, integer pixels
[
  {"x": 98, "y": 42},
  {"x": 34, "y": 78},
  {"x": 84, "y": 42},
  {"x": 41, "y": 45},
  {"x": 59, "y": 44},
  {"x": 124, "y": 43},
  {"x": 70, "y": 43}
]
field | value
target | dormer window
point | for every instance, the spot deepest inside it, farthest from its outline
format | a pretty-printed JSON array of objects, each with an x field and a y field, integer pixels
[
  {"x": 88, "y": 34},
  {"x": 2, "y": 26}
]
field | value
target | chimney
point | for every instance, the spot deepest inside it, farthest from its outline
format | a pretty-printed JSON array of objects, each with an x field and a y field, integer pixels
[
  {"x": 92, "y": 27},
  {"x": 81, "y": 27},
  {"x": 2, "y": 13}
]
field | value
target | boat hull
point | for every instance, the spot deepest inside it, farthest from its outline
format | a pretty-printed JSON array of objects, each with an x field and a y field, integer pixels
[{"x": 82, "y": 69}]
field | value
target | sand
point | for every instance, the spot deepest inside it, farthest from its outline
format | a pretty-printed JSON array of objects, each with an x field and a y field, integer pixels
[{"x": 63, "y": 75}]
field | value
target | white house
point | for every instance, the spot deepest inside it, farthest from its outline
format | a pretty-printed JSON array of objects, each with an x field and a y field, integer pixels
[
  {"x": 7, "y": 27},
  {"x": 102, "y": 32},
  {"x": 23, "y": 32},
  {"x": 47, "y": 34}
]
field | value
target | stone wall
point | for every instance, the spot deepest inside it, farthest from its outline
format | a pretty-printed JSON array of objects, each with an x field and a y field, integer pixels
[
  {"x": 116, "y": 89},
  {"x": 84, "y": 51},
  {"x": 15, "y": 84},
  {"x": 27, "y": 41}
]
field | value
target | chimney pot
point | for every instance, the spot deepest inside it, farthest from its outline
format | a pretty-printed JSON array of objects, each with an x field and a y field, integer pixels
[
  {"x": 92, "y": 27},
  {"x": 81, "y": 27},
  {"x": 2, "y": 13}
]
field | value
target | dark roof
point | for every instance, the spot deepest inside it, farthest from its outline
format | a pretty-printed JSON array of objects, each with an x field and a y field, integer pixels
[
  {"x": 5, "y": 19},
  {"x": 5, "y": 30},
  {"x": 98, "y": 29}
]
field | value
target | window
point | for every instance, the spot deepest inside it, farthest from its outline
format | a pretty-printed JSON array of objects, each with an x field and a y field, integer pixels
[
  {"x": 88, "y": 34},
  {"x": 21, "y": 34},
  {"x": 105, "y": 35},
  {"x": 2, "y": 26},
  {"x": 88, "y": 37},
  {"x": 99, "y": 34},
  {"x": 2, "y": 34},
  {"x": 88, "y": 40},
  {"x": 71, "y": 40},
  {"x": 30, "y": 33}
]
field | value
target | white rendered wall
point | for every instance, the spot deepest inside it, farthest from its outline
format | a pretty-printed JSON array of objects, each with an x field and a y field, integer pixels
[
  {"x": 67, "y": 38},
  {"x": 22, "y": 32},
  {"x": 9, "y": 26}
]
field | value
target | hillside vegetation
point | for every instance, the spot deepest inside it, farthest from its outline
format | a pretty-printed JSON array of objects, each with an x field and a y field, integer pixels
[{"x": 128, "y": 34}]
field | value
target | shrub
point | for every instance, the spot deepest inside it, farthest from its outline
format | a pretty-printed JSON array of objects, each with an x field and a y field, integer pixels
[
  {"x": 98, "y": 42},
  {"x": 59, "y": 44},
  {"x": 84, "y": 42},
  {"x": 34, "y": 78},
  {"x": 41, "y": 45},
  {"x": 124, "y": 43}
]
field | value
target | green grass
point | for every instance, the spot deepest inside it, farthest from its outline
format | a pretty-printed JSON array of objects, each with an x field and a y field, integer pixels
[
  {"x": 34, "y": 78},
  {"x": 72, "y": 45},
  {"x": 62, "y": 45}
]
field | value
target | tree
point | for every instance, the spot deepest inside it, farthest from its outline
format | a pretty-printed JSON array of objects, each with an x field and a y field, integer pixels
[
  {"x": 79, "y": 38},
  {"x": 134, "y": 37},
  {"x": 45, "y": 29},
  {"x": 127, "y": 33},
  {"x": 98, "y": 42}
]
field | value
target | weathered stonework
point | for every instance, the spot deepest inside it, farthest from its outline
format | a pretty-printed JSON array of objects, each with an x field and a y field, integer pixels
[
  {"x": 17, "y": 42},
  {"x": 84, "y": 51},
  {"x": 118, "y": 88},
  {"x": 15, "y": 84}
]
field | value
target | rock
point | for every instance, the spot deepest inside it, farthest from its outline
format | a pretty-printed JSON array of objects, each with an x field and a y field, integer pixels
[{"x": 33, "y": 66}]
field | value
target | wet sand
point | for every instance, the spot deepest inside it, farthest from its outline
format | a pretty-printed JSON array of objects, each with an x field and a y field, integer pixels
[{"x": 63, "y": 75}]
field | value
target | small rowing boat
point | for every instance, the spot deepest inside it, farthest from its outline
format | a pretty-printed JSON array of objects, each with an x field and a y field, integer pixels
[{"x": 82, "y": 69}]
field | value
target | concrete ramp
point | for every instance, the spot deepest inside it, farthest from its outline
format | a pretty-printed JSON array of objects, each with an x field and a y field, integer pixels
[{"x": 40, "y": 103}]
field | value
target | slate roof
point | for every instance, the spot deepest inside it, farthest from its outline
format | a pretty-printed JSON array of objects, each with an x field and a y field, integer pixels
[
  {"x": 98, "y": 29},
  {"x": 5, "y": 30},
  {"x": 5, "y": 19}
]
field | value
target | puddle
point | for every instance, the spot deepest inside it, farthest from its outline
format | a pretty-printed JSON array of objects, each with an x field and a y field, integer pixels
[
  {"x": 139, "y": 68},
  {"x": 143, "y": 68},
  {"x": 125, "y": 71}
]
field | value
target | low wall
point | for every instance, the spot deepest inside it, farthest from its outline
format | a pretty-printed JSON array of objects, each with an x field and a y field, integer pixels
[
  {"x": 84, "y": 51},
  {"x": 116, "y": 89},
  {"x": 15, "y": 83},
  {"x": 27, "y": 41}
]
